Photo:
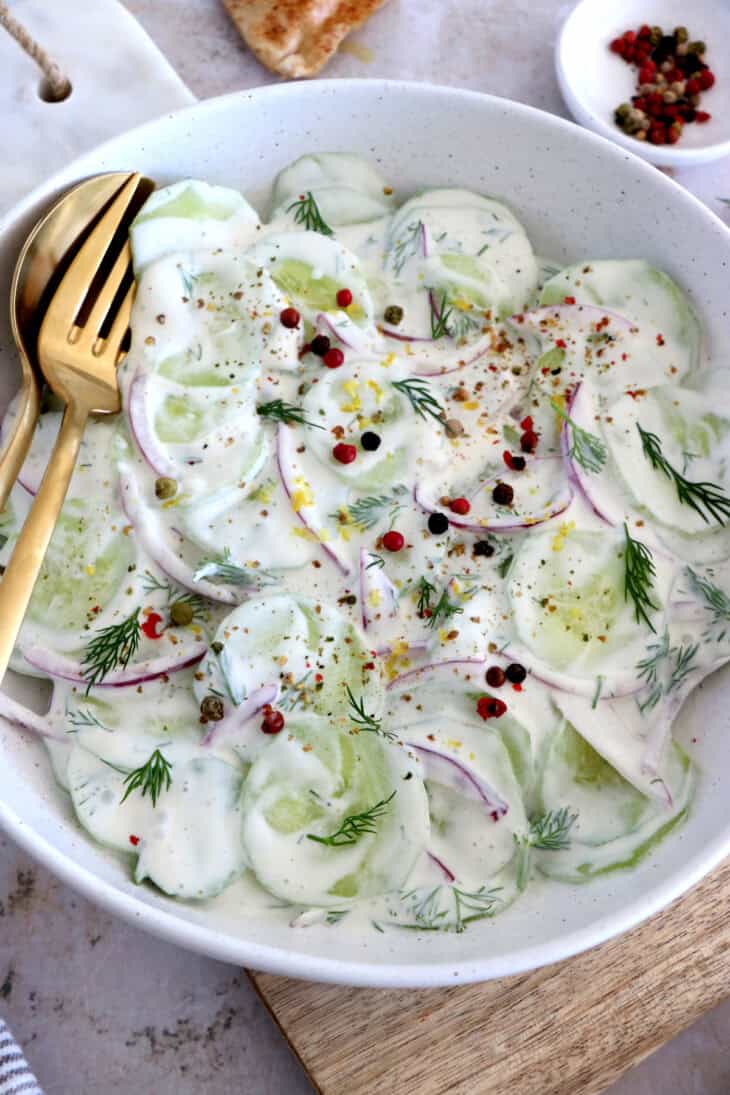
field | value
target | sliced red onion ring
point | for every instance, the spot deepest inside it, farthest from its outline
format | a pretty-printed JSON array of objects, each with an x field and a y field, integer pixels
[
  {"x": 152, "y": 540},
  {"x": 374, "y": 580},
  {"x": 588, "y": 483},
  {"x": 287, "y": 464},
  {"x": 28, "y": 720},
  {"x": 57, "y": 665},
  {"x": 443, "y": 768},
  {"x": 413, "y": 675},
  {"x": 347, "y": 333},
  {"x": 557, "y": 506},
  {"x": 240, "y": 715},
  {"x": 137, "y": 412},
  {"x": 448, "y": 875},
  {"x": 612, "y": 688}
]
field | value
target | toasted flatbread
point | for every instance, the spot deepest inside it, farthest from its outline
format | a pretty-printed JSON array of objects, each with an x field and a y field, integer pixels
[{"x": 297, "y": 37}]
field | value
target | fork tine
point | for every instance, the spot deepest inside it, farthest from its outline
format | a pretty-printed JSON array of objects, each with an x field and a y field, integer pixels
[
  {"x": 107, "y": 293},
  {"x": 121, "y": 320},
  {"x": 71, "y": 293}
]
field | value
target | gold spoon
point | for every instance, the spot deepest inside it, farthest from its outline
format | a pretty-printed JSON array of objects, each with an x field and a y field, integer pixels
[
  {"x": 81, "y": 342},
  {"x": 46, "y": 253}
]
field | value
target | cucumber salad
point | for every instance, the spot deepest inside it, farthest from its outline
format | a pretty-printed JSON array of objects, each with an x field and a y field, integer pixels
[{"x": 380, "y": 598}]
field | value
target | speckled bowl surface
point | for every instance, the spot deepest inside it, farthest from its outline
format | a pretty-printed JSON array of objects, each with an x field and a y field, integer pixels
[{"x": 579, "y": 196}]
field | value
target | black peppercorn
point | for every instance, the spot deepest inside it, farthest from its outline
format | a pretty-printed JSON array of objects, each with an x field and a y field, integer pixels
[
  {"x": 515, "y": 673},
  {"x": 319, "y": 345},
  {"x": 483, "y": 547},
  {"x": 503, "y": 494},
  {"x": 438, "y": 523},
  {"x": 370, "y": 441}
]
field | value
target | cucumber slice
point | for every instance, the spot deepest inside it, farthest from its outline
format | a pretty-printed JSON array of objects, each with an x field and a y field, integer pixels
[
  {"x": 694, "y": 436},
  {"x": 352, "y": 398},
  {"x": 569, "y": 607},
  {"x": 617, "y": 826},
  {"x": 308, "y": 782},
  {"x": 645, "y": 295},
  {"x": 467, "y": 247},
  {"x": 291, "y": 642},
  {"x": 86, "y": 564},
  {"x": 189, "y": 843},
  {"x": 309, "y": 268},
  {"x": 190, "y": 214},
  {"x": 346, "y": 188}
]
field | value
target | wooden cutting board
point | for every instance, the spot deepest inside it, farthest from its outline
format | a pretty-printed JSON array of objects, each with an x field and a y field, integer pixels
[{"x": 569, "y": 1029}]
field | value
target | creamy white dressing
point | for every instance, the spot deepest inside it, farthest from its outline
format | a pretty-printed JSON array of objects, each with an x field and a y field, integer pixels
[{"x": 332, "y": 749}]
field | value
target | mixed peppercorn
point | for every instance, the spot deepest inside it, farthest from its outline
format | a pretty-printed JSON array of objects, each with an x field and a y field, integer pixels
[{"x": 672, "y": 74}]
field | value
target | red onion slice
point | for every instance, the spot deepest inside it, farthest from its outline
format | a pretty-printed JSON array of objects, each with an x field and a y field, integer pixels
[
  {"x": 448, "y": 874},
  {"x": 286, "y": 461},
  {"x": 240, "y": 715},
  {"x": 614, "y": 687},
  {"x": 445, "y": 769},
  {"x": 557, "y": 506},
  {"x": 182, "y": 656},
  {"x": 374, "y": 580},
  {"x": 414, "y": 675},
  {"x": 591, "y": 485},
  {"x": 28, "y": 720},
  {"x": 137, "y": 413},
  {"x": 152, "y": 540}
]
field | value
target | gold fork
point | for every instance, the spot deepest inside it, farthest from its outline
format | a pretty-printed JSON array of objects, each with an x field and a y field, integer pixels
[{"x": 80, "y": 345}]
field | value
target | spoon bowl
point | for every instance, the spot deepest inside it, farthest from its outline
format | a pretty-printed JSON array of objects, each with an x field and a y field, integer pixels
[{"x": 46, "y": 253}]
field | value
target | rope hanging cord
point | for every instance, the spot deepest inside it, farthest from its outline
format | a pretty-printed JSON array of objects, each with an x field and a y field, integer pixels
[{"x": 58, "y": 85}]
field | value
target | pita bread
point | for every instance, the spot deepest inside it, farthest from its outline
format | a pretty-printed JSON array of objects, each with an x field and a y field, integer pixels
[{"x": 297, "y": 37}]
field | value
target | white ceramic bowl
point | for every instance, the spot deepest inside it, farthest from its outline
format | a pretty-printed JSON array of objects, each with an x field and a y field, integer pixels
[
  {"x": 579, "y": 197},
  {"x": 593, "y": 81}
]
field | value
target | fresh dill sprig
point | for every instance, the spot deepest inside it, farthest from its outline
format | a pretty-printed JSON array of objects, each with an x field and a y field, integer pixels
[
  {"x": 664, "y": 670},
  {"x": 425, "y": 592},
  {"x": 505, "y": 565},
  {"x": 221, "y": 568},
  {"x": 363, "y": 720},
  {"x": 355, "y": 826},
  {"x": 110, "y": 648},
  {"x": 443, "y": 610},
  {"x": 280, "y": 411},
  {"x": 440, "y": 316},
  {"x": 700, "y": 497},
  {"x": 550, "y": 832},
  {"x": 153, "y": 777},
  {"x": 648, "y": 671},
  {"x": 82, "y": 717},
  {"x": 335, "y": 915},
  {"x": 716, "y": 602},
  {"x": 419, "y": 396},
  {"x": 377, "y": 561},
  {"x": 366, "y": 512},
  {"x": 448, "y": 908},
  {"x": 307, "y": 214},
  {"x": 639, "y": 577},
  {"x": 407, "y": 247},
  {"x": 684, "y": 657},
  {"x": 585, "y": 448}
]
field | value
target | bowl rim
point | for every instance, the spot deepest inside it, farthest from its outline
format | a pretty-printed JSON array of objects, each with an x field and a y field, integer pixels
[
  {"x": 661, "y": 155},
  {"x": 215, "y": 943}
]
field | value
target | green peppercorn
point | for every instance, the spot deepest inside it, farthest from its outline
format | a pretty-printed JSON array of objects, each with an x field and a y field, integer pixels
[
  {"x": 656, "y": 35},
  {"x": 623, "y": 110},
  {"x": 181, "y": 613},
  {"x": 216, "y": 647},
  {"x": 393, "y": 314},
  {"x": 165, "y": 487},
  {"x": 698, "y": 48},
  {"x": 212, "y": 709},
  {"x": 681, "y": 34}
]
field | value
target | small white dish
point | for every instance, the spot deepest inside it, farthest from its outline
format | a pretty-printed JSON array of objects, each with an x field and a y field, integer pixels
[{"x": 593, "y": 80}]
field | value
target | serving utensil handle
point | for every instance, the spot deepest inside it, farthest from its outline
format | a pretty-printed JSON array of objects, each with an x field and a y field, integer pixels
[
  {"x": 14, "y": 453},
  {"x": 16, "y": 587}
]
